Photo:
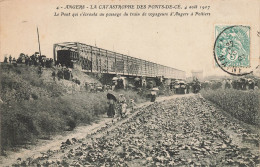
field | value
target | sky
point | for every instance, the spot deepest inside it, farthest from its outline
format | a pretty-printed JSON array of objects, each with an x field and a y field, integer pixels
[{"x": 185, "y": 43}]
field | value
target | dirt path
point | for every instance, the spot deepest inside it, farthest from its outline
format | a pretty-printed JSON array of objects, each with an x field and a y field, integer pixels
[
  {"x": 44, "y": 146},
  {"x": 52, "y": 144}
]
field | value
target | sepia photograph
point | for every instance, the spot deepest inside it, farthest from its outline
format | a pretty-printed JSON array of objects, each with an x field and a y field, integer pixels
[{"x": 100, "y": 83}]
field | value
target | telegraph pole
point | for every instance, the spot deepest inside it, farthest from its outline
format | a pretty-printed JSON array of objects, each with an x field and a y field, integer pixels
[{"x": 39, "y": 42}]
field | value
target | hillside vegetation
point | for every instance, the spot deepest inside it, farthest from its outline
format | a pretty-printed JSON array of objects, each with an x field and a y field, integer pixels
[{"x": 37, "y": 106}]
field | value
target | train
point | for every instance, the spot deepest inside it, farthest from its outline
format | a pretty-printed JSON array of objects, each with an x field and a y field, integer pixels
[{"x": 97, "y": 60}]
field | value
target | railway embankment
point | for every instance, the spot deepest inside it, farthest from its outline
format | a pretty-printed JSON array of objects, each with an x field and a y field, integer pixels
[{"x": 37, "y": 106}]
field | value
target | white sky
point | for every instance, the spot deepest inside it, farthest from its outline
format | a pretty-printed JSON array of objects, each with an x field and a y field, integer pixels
[{"x": 184, "y": 43}]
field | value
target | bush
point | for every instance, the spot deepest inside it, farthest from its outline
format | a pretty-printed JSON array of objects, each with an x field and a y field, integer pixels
[
  {"x": 243, "y": 105},
  {"x": 18, "y": 86},
  {"x": 27, "y": 120},
  {"x": 50, "y": 111},
  {"x": 16, "y": 126}
]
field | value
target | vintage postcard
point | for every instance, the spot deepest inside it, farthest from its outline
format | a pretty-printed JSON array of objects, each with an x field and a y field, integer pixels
[{"x": 130, "y": 83}]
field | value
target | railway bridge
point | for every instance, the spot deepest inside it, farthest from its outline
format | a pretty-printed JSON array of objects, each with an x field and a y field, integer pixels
[{"x": 92, "y": 59}]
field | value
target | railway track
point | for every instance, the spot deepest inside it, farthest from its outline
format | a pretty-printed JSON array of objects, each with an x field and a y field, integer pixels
[{"x": 183, "y": 130}]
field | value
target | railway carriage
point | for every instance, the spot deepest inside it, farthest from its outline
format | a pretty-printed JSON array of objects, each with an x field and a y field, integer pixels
[{"x": 97, "y": 60}]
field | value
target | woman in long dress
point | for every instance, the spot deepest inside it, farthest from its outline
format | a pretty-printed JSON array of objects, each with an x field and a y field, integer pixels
[
  {"x": 121, "y": 105},
  {"x": 111, "y": 109}
]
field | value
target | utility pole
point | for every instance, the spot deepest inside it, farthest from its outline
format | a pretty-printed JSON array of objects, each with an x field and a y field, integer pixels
[{"x": 39, "y": 42}]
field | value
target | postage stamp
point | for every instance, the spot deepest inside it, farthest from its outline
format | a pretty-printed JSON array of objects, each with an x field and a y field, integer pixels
[{"x": 232, "y": 49}]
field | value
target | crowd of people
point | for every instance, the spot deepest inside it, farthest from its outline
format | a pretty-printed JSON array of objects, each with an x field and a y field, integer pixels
[
  {"x": 239, "y": 84},
  {"x": 35, "y": 59},
  {"x": 182, "y": 87},
  {"x": 242, "y": 84},
  {"x": 63, "y": 73}
]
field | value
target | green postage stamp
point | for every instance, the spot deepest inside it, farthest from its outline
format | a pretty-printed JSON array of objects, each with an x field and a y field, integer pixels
[{"x": 232, "y": 48}]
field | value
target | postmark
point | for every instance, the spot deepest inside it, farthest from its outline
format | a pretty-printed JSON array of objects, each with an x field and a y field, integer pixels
[{"x": 232, "y": 49}]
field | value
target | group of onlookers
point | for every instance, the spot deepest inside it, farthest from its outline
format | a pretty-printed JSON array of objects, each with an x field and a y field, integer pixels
[
  {"x": 35, "y": 59},
  {"x": 239, "y": 84},
  {"x": 64, "y": 73},
  {"x": 182, "y": 87},
  {"x": 243, "y": 84},
  {"x": 118, "y": 107}
]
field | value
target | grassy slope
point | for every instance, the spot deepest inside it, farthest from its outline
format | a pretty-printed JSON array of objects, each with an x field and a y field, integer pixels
[{"x": 36, "y": 107}]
